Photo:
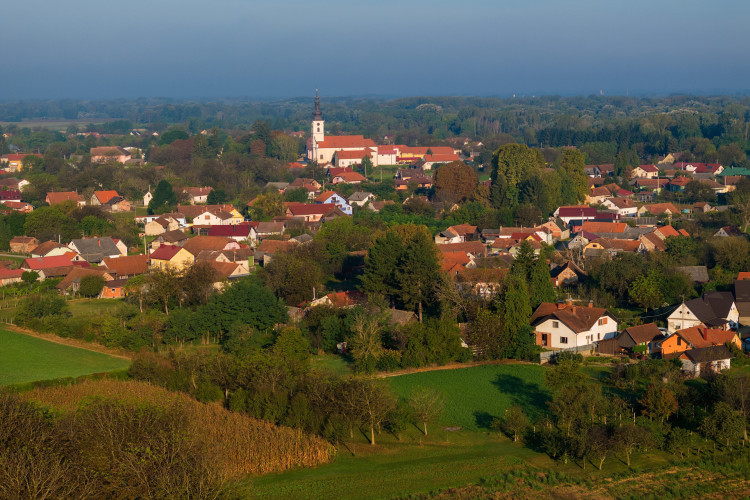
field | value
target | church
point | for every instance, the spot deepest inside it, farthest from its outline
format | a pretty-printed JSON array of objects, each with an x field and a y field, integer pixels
[{"x": 349, "y": 150}]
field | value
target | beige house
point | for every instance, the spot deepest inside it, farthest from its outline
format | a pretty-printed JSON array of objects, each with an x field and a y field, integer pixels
[
  {"x": 161, "y": 226},
  {"x": 171, "y": 256}
]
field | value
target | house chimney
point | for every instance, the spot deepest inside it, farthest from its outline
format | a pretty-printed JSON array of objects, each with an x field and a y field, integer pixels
[
  {"x": 569, "y": 301},
  {"x": 591, "y": 303},
  {"x": 561, "y": 305}
]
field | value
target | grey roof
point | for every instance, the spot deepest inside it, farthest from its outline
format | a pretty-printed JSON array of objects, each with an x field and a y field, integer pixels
[
  {"x": 173, "y": 236},
  {"x": 277, "y": 185},
  {"x": 359, "y": 196},
  {"x": 303, "y": 238},
  {"x": 708, "y": 354},
  {"x": 742, "y": 297},
  {"x": 699, "y": 274},
  {"x": 95, "y": 249},
  {"x": 713, "y": 308}
]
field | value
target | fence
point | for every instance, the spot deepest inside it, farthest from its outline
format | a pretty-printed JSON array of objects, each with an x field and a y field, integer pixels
[{"x": 545, "y": 356}]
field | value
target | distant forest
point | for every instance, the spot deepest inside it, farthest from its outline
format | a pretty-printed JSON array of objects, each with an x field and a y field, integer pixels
[{"x": 709, "y": 129}]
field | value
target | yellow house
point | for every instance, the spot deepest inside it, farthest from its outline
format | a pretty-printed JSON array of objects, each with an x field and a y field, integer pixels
[{"x": 171, "y": 256}]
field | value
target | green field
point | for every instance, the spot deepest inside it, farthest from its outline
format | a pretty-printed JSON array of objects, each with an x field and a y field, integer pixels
[
  {"x": 26, "y": 359},
  {"x": 412, "y": 464},
  {"x": 474, "y": 396}
]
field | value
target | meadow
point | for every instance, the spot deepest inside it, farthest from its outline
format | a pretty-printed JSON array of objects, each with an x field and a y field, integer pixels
[
  {"x": 474, "y": 396},
  {"x": 26, "y": 359}
]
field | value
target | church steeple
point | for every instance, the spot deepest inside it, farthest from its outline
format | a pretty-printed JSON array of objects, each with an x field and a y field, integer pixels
[
  {"x": 317, "y": 130},
  {"x": 317, "y": 116}
]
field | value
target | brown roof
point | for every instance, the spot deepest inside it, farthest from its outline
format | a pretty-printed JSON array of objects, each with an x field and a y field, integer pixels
[
  {"x": 224, "y": 269},
  {"x": 272, "y": 246},
  {"x": 53, "y": 198},
  {"x": 577, "y": 318},
  {"x": 701, "y": 336},
  {"x": 464, "y": 229},
  {"x": 23, "y": 239},
  {"x": 47, "y": 246},
  {"x": 77, "y": 273},
  {"x": 654, "y": 239},
  {"x": 643, "y": 333},
  {"x": 604, "y": 227},
  {"x": 128, "y": 265},
  {"x": 173, "y": 236},
  {"x": 660, "y": 208},
  {"x": 108, "y": 150},
  {"x": 198, "y": 243},
  {"x": 345, "y": 141},
  {"x": 473, "y": 247},
  {"x": 194, "y": 211},
  {"x": 350, "y": 177}
]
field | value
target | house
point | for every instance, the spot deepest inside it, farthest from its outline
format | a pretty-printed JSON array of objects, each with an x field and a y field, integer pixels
[
  {"x": 350, "y": 158},
  {"x": 566, "y": 326},
  {"x": 147, "y": 198},
  {"x": 640, "y": 339},
  {"x": 11, "y": 195},
  {"x": 170, "y": 256},
  {"x": 214, "y": 218},
  {"x": 457, "y": 234},
  {"x": 49, "y": 249},
  {"x": 161, "y": 225},
  {"x": 94, "y": 250},
  {"x": 54, "y": 198},
  {"x": 331, "y": 197},
  {"x": 473, "y": 249},
  {"x": 175, "y": 237},
  {"x": 127, "y": 266},
  {"x": 598, "y": 194},
  {"x": 714, "y": 309},
  {"x": 575, "y": 212},
  {"x": 14, "y": 161},
  {"x": 23, "y": 244},
  {"x": 646, "y": 171},
  {"x": 431, "y": 160},
  {"x": 742, "y": 300},
  {"x": 268, "y": 248},
  {"x": 198, "y": 243},
  {"x": 197, "y": 195},
  {"x": 361, "y": 198},
  {"x": 266, "y": 229},
  {"x": 116, "y": 204},
  {"x": 41, "y": 263},
  {"x": 230, "y": 270},
  {"x": 567, "y": 274},
  {"x": 348, "y": 178},
  {"x": 103, "y": 154},
  {"x": 237, "y": 232},
  {"x": 72, "y": 281},
  {"x": 698, "y": 274},
  {"x": 417, "y": 182},
  {"x": 102, "y": 197},
  {"x": 604, "y": 227},
  {"x": 624, "y": 207},
  {"x": 9, "y": 276},
  {"x": 244, "y": 256},
  {"x": 310, "y": 213},
  {"x": 727, "y": 232},
  {"x": 696, "y": 337},
  {"x": 194, "y": 211},
  {"x": 678, "y": 184},
  {"x": 658, "y": 209},
  {"x": 706, "y": 359},
  {"x": 115, "y": 289},
  {"x": 702, "y": 207}
]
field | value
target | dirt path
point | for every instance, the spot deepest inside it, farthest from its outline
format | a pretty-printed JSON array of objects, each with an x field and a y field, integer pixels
[
  {"x": 80, "y": 344},
  {"x": 453, "y": 366}
]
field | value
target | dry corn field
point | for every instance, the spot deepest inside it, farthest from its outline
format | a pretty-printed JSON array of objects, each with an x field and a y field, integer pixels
[{"x": 239, "y": 445}]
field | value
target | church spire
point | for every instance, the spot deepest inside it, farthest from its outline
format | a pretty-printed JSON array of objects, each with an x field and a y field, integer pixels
[{"x": 317, "y": 116}]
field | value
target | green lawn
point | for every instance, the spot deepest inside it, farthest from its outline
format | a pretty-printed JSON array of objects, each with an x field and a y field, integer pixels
[
  {"x": 331, "y": 363},
  {"x": 474, "y": 396},
  {"x": 26, "y": 359},
  {"x": 93, "y": 307}
]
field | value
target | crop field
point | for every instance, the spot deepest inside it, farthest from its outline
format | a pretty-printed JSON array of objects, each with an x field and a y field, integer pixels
[
  {"x": 26, "y": 359},
  {"x": 474, "y": 396}
]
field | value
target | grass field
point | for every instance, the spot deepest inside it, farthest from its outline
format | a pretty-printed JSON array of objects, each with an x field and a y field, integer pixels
[
  {"x": 26, "y": 359},
  {"x": 447, "y": 458},
  {"x": 474, "y": 396}
]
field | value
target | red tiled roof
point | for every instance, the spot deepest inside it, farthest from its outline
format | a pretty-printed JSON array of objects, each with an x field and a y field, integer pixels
[
  {"x": 54, "y": 198},
  {"x": 105, "y": 196},
  {"x": 604, "y": 227},
  {"x": 165, "y": 252},
  {"x": 350, "y": 176},
  {"x": 352, "y": 155},
  {"x": 345, "y": 141},
  {"x": 324, "y": 196},
  {"x": 701, "y": 336},
  {"x": 127, "y": 265},
  {"x": 303, "y": 209},
  {"x": 37, "y": 263},
  {"x": 272, "y": 246},
  {"x": 233, "y": 231}
]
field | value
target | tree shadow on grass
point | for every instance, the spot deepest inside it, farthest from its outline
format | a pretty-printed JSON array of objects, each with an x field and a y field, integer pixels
[
  {"x": 531, "y": 397},
  {"x": 483, "y": 419}
]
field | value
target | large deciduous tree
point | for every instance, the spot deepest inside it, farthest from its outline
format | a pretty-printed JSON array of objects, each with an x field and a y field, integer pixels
[
  {"x": 454, "y": 182},
  {"x": 512, "y": 164}
]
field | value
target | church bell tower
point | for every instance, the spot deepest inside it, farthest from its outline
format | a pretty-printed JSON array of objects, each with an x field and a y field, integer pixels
[{"x": 318, "y": 127}]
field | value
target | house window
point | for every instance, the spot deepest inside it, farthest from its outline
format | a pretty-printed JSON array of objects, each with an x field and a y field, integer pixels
[
  {"x": 555, "y": 324},
  {"x": 679, "y": 341},
  {"x": 563, "y": 340},
  {"x": 602, "y": 321}
]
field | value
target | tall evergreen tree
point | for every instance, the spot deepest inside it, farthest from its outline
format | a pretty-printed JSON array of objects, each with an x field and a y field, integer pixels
[{"x": 164, "y": 198}]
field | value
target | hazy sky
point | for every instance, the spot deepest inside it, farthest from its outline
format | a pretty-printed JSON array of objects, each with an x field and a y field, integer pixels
[{"x": 246, "y": 48}]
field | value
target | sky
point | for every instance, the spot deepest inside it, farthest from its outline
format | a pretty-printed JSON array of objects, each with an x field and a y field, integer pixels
[{"x": 88, "y": 49}]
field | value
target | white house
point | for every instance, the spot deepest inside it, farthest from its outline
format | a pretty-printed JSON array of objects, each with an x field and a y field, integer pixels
[
  {"x": 623, "y": 206},
  {"x": 331, "y": 197},
  {"x": 565, "y": 326},
  {"x": 147, "y": 198},
  {"x": 715, "y": 310},
  {"x": 213, "y": 218}
]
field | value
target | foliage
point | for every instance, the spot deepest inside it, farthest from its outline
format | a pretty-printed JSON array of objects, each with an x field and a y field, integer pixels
[
  {"x": 454, "y": 182},
  {"x": 164, "y": 199},
  {"x": 91, "y": 286},
  {"x": 426, "y": 405}
]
